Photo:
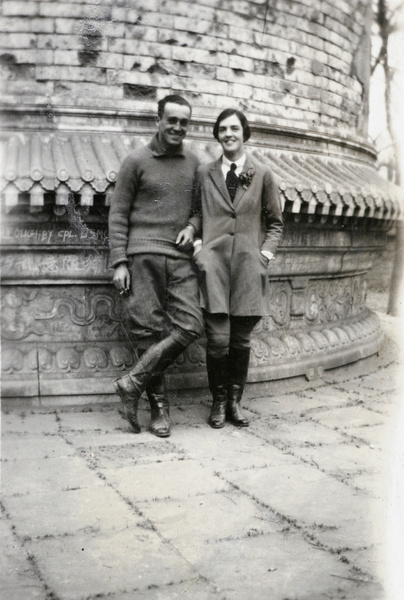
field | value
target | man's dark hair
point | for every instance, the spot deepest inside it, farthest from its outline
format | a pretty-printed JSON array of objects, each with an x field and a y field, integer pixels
[
  {"x": 174, "y": 99},
  {"x": 228, "y": 112}
]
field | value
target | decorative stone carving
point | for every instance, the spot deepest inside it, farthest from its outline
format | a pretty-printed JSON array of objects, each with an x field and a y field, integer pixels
[
  {"x": 331, "y": 300},
  {"x": 74, "y": 332}
]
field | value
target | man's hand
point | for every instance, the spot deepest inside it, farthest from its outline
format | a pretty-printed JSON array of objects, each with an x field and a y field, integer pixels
[
  {"x": 185, "y": 238},
  {"x": 122, "y": 278}
]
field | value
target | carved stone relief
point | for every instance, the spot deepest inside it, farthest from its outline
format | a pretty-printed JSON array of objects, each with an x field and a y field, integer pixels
[{"x": 77, "y": 331}]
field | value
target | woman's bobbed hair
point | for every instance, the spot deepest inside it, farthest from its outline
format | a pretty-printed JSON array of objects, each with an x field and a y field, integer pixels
[{"x": 228, "y": 112}]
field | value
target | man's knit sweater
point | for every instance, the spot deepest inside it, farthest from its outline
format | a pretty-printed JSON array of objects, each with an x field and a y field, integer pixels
[{"x": 151, "y": 203}]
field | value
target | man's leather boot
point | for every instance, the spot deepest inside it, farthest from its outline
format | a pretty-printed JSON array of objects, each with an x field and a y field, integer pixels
[
  {"x": 238, "y": 369},
  {"x": 153, "y": 362},
  {"x": 217, "y": 378},
  {"x": 159, "y": 407},
  {"x": 123, "y": 387}
]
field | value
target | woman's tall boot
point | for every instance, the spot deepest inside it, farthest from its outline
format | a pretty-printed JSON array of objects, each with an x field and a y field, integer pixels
[
  {"x": 238, "y": 370},
  {"x": 217, "y": 378}
]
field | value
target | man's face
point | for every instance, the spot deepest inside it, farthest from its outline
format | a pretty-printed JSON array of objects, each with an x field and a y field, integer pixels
[
  {"x": 231, "y": 136},
  {"x": 173, "y": 125}
]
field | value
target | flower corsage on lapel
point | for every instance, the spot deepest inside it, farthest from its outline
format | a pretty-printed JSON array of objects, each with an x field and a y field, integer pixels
[{"x": 246, "y": 177}]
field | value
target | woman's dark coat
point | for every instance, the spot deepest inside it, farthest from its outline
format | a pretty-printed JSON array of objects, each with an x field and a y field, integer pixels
[{"x": 233, "y": 272}]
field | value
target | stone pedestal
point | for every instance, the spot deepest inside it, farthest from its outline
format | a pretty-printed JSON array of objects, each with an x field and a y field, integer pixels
[
  {"x": 64, "y": 323},
  {"x": 81, "y": 91}
]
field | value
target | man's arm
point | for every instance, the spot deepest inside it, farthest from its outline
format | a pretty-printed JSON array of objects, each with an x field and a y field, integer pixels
[
  {"x": 119, "y": 213},
  {"x": 195, "y": 217}
]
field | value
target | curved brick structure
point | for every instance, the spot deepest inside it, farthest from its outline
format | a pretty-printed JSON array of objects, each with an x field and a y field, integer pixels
[
  {"x": 303, "y": 64},
  {"x": 81, "y": 85}
]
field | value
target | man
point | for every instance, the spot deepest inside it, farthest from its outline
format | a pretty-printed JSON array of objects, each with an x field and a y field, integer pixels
[{"x": 150, "y": 251}]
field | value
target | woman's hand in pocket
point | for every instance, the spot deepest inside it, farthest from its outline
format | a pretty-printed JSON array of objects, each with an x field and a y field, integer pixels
[
  {"x": 268, "y": 255},
  {"x": 197, "y": 247}
]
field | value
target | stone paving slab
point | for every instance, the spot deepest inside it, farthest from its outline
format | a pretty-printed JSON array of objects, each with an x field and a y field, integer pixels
[
  {"x": 31, "y": 424},
  {"x": 321, "y": 397},
  {"x": 104, "y": 421},
  {"x": 168, "y": 480},
  {"x": 126, "y": 561},
  {"x": 192, "y": 415},
  {"x": 347, "y": 418},
  {"x": 18, "y": 580},
  {"x": 195, "y": 589},
  {"x": 81, "y": 440},
  {"x": 369, "y": 563},
  {"x": 287, "y": 404},
  {"x": 371, "y": 435},
  {"x": 27, "y": 446},
  {"x": 44, "y": 476},
  {"x": 299, "y": 433},
  {"x": 376, "y": 404},
  {"x": 269, "y": 566},
  {"x": 311, "y": 498},
  {"x": 59, "y": 513},
  {"x": 331, "y": 396},
  {"x": 378, "y": 383},
  {"x": 192, "y": 523},
  {"x": 231, "y": 449},
  {"x": 371, "y": 482},
  {"x": 119, "y": 456},
  {"x": 343, "y": 460}
]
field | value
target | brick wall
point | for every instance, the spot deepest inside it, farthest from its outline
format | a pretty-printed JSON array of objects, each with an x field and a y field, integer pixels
[{"x": 300, "y": 63}]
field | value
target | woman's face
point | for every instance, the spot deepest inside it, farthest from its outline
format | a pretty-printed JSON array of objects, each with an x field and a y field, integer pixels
[{"x": 231, "y": 137}]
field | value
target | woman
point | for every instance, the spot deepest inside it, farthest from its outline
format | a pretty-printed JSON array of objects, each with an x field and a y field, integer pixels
[{"x": 239, "y": 219}]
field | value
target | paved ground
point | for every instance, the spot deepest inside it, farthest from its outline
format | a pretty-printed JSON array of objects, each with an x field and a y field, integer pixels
[{"x": 296, "y": 507}]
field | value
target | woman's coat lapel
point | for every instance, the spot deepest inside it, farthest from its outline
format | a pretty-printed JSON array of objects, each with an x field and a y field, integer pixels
[
  {"x": 218, "y": 179},
  {"x": 217, "y": 176},
  {"x": 240, "y": 189}
]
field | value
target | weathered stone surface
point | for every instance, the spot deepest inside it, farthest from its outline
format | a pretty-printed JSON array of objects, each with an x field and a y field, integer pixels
[
  {"x": 265, "y": 566},
  {"x": 305, "y": 495},
  {"x": 301, "y": 433},
  {"x": 380, "y": 383},
  {"x": 70, "y": 512},
  {"x": 102, "y": 422},
  {"x": 177, "y": 479},
  {"x": 192, "y": 524},
  {"x": 35, "y": 424},
  {"x": 344, "y": 460},
  {"x": 349, "y": 419},
  {"x": 235, "y": 513},
  {"x": 198, "y": 589},
  {"x": 119, "y": 455},
  {"x": 278, "y": 405},
  {"x": 370, "y": 435},
  {"x": 18, "y": 578},
  {"x": 122, "y": 561},
  {"x": 31, "y": 476},
  {"x": 231, "y": 450},
  {"x": 28, "y": 446}
]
